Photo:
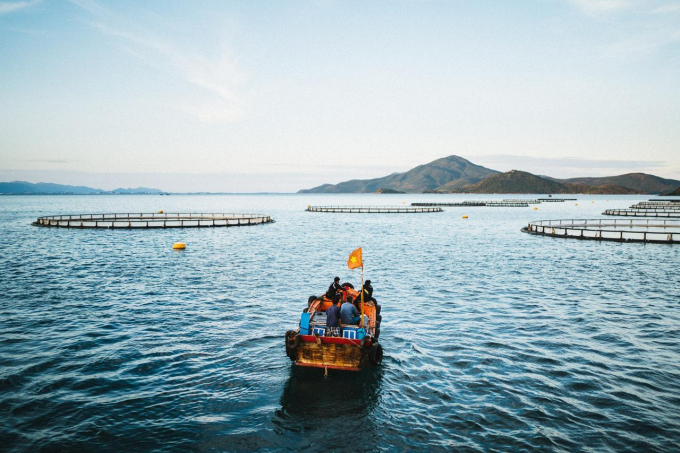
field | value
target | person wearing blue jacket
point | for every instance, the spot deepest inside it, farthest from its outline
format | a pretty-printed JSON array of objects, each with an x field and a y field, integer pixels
[{"x": 349, "y": 313}]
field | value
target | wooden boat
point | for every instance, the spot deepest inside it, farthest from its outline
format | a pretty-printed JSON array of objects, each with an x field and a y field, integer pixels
[{"x": 356, "y": 348}]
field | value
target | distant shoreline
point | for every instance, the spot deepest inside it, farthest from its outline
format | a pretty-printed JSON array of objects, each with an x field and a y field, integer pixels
[{"x": 320, "y": 194}]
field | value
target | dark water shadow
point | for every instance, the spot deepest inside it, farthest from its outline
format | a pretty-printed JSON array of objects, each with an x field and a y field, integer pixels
[{"x": 330, "y": 412}]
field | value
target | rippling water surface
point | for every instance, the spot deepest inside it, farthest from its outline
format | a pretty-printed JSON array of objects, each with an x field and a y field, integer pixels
[{"x": 493, "y": 339}]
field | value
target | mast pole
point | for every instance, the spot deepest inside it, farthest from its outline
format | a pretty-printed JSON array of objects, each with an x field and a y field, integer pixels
[{"x": 362, "y": 293}]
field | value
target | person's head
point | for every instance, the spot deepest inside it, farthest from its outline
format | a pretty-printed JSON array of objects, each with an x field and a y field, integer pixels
[
  {"x": 336, "y": 279},
  {"x": 368, "y": 283},
  {"x": 336, "y": 299},
  {"x": 349, "y": 299}
]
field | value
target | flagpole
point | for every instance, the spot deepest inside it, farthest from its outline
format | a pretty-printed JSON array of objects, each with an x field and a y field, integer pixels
[{"x": 362, "y": 292}]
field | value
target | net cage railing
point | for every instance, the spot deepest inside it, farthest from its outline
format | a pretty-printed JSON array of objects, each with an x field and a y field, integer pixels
[
  {"x": 655, "y": 207},
  {"x": 152, "y": 220},
  {"x": 371, "y": 209},
  {"x": 471, "y": 204},
  {"x": 670, "y": 213},
  {"x": 607, "y": 229}
]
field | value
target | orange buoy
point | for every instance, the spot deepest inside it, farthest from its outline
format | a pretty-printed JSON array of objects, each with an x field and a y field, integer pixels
[{"x": 179, "y": 246}]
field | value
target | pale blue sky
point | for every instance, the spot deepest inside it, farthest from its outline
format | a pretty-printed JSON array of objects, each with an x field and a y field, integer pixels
[{"x": 279, "y": 96}]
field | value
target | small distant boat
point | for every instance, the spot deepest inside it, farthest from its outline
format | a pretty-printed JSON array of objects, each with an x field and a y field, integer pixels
[{"x": 355, "y": 349}]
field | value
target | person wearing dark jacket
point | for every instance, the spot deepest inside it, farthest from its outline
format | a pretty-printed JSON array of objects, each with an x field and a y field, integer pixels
[
  {"x": 334, "y": 288},
  {"x": 368, "y": 292},
  {"x": 333, "y": 319}
]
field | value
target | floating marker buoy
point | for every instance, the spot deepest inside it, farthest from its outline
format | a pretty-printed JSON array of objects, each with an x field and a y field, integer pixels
[
  {"x": 575, "y": 204},
  {"x": 592, "y": 202},
  {"x": 179, "y": 246},
  {"x": 160, "y": 212},
  {"x": 535, "y": 208},
  {"x": 465, "y": 217}
]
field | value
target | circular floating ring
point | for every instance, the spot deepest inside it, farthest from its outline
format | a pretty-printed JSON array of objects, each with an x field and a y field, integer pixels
[
  {"x": 151, "y": 220},
  {"x": 661, "y": 231}
]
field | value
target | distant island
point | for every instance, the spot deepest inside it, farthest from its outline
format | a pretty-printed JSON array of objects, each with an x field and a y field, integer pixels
[
  {"x": 44, "y": 188},
  {"x": 454, "y": 174}
]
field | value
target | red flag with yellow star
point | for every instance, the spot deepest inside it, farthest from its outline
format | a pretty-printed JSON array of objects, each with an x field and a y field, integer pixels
[{"x": 354, "y": 260}]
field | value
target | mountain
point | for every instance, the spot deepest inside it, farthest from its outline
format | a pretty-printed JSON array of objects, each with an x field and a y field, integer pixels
[
  {"x": 449, "y": 172},
  {"x": 640, "y": 182},
  {"x": 675, "y": 193},
  {"x": 138, "y": 190},
  {"x": 454, "y": 174},
  {"x": 44, "y": 188},
  {"x": 516, "y": 181}
]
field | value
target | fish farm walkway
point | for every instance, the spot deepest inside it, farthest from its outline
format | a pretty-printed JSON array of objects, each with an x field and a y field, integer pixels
[
  {"x": 556, "y": 200},
  {"x": 653, "y": 231},
  {"x": 151, "y": 220},
  {"x": 497, "y": 204},
  {"x": 371, "y": 209}
]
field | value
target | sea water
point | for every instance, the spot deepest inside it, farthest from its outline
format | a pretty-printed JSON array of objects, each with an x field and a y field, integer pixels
[{"x": 494, "y": 339}]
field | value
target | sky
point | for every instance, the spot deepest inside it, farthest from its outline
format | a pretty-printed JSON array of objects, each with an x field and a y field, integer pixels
[{"x": 277, "y": 96}]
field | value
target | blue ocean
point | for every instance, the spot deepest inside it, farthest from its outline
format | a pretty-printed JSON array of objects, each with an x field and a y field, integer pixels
[{"x": 494, "y": 340}]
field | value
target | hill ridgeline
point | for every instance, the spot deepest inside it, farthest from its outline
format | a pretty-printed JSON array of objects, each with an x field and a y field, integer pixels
[{"x": 454, "y": 174}]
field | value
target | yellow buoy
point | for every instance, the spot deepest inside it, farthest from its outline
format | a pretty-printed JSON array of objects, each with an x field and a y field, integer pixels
[
  {"x": 535, "y": 208},
  {"x": 465, "y": 217},
  {"x": 592, "y": 202},
  {"x": 575, "y": 204},
  {"x": 160, "y": 212},
  {"x": 179, "y": 246}
]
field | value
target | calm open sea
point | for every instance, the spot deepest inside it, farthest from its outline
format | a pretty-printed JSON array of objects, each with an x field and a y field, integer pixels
[{"x": 494, "y": 339}]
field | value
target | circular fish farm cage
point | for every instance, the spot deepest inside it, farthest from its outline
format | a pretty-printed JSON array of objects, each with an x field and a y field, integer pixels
[
  {"x": 658, "y": 231},
  {"x": 373, "y": 209},
  {"x": 665, "y": 213},
  {"x": 667, "y": 206},
  {"x": 151, "y": 220},
  {"x": 469, "y": 204},
  {"x": 665, "y": 209}
]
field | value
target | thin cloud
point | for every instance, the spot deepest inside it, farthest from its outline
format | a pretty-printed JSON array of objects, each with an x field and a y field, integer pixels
[
  {"x": 10, "y": 7},
  {"x": 568, "y": 167},
  {"x": 216, "y": 74},
  {"x": 52, "y": 161},
  {"x": 575, "y": 162},
  {"x": 666, "y": 9},
  {"x": 602, "y": 6}
]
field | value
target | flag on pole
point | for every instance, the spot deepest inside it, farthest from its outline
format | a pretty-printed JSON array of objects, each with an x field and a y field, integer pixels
[{"x": 354, "y": 260}]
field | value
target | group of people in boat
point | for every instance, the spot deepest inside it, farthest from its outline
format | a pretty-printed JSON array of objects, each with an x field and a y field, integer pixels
[{"x": 345, "y": 312}]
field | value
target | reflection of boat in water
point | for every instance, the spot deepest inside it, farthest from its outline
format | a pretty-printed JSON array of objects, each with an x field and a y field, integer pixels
[
  {"x": 357, "y": 346},
  {"x": 319, "y": 411}
]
